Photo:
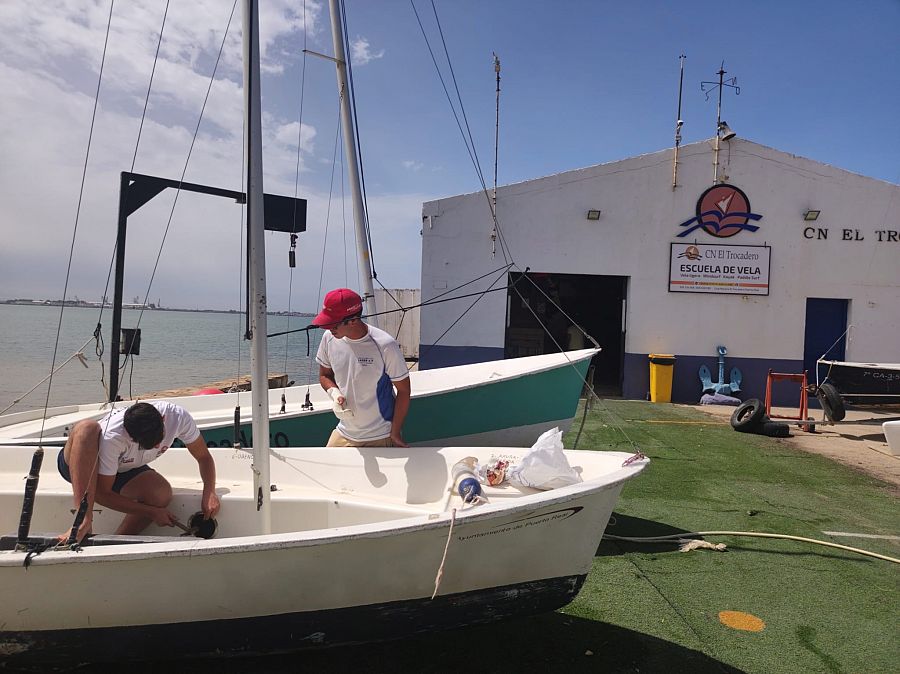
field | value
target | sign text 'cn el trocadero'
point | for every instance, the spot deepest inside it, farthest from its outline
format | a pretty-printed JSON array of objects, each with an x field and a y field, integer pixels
[{"x": 722, "y": 212}]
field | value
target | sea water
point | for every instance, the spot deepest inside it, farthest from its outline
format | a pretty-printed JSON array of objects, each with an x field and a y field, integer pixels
[{"x": 178, "y": 349}]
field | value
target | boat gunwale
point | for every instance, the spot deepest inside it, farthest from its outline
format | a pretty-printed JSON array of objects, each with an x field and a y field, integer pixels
[
  {"x": 7, "y": 421},
  {"x": 188, "y": 547}
]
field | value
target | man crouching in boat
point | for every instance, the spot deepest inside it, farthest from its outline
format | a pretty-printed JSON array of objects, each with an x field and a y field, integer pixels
[{"x": 108, "y": 460}]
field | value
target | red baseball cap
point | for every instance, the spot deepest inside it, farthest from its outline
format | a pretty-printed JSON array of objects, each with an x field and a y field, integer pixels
[{"x": 339, "y": 305}]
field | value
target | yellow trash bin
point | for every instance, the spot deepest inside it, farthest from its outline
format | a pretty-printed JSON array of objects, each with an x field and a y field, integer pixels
[{"x": 661, "y": 368}]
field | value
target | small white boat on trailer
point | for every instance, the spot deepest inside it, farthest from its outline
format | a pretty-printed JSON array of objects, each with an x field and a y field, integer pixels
[{"x": 357, "y": 537}]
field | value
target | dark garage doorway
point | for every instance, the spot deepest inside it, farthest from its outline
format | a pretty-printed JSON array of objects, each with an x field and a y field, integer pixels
[{"x": 535, "y": 326}]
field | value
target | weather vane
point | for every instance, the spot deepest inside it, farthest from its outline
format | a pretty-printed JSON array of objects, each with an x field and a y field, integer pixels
[{"x": 723, "y": 131}]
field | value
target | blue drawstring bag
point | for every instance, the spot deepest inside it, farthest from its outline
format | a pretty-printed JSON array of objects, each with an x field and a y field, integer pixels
[{"x": 385, "y": 392}]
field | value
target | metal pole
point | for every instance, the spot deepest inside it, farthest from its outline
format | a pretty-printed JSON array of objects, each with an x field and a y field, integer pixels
[
  {"x": 496, "y": 161},
  {"x": 718, "y": 121},
  {"x": 259, "y": 374},
  {"x": 678, "y": 124},
  {"x": 362, "y": 241},
  {"x": 118, "y": 291},
  {"x": 31, "y": 485}
]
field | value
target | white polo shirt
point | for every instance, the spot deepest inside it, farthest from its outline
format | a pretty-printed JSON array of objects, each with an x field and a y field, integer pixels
[
  {"x": 119, "y": 453},
  {"x": 358, "y": 365}
]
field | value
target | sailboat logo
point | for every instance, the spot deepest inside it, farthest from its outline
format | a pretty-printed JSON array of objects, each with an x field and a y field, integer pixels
[
  {"x": 723, "y": 211},
  {"x": 691, "y": 253}
]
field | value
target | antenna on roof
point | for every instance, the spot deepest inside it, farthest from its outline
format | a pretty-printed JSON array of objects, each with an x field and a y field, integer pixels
[
  {"x": 723, "y": 131},
  {"x": 496, "y": 160},
  {"x": 678, "y": 124}
]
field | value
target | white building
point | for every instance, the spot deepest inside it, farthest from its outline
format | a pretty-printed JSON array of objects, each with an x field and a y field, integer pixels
[{"x": 786, "y": 255}]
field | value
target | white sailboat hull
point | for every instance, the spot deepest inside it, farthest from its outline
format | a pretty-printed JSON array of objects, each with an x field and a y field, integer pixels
[
  {"x": 359, "y": 538},
  {"x": 505, "y": 403}
]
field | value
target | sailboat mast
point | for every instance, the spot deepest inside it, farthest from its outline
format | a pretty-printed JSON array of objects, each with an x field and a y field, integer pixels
[
  {"x": 259, "y": 357},
  {"x": 362, "y": 240}
]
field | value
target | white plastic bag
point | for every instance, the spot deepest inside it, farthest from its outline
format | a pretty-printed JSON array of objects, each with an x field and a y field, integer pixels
[{"x": 544, "y": 466}]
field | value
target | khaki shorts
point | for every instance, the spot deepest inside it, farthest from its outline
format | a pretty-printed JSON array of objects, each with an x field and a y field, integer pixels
[{"x": 338, "y": 440}]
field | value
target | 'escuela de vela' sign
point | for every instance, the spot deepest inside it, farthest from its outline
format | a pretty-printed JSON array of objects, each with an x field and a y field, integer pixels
[{"x": 710, "y": 268}]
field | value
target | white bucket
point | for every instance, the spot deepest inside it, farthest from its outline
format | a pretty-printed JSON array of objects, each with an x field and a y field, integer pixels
[{"x": 892, "y": 434}]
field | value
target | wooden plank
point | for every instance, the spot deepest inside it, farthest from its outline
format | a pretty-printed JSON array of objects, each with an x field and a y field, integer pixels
[{"x": 242, "y": 383}]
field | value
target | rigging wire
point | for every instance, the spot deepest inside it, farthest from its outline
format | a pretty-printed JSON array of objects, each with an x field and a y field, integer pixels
[
  {"x": 296, "y": 189},
  {"x": 434, "y": 300},
  {"x": 99, "y": 349},
  {"x": 471, "y": 306},
  {"x": 240, "y": 289},
  {"x": 79, "y": 354},
  {"x": 77, "y": 216},
  {"x": 355, "y": 119},
  {"x": 470, "y": 147},
  {"x": 187, "y": 160},
  {"x": 334, "y": 159},
  {"x": 468, "y": 141}
]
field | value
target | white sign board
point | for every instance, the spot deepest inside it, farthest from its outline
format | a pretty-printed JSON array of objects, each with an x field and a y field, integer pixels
[{"x": 731, "y": 270}]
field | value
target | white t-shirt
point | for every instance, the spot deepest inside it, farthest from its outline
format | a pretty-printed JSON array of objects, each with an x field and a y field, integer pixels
[
  {"x": 119, "y": 453},
  {"x": 358, "y": 365}
]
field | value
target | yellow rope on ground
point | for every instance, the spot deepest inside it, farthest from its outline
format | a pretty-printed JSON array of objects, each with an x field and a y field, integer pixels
[{"x": 678, "y": 538}]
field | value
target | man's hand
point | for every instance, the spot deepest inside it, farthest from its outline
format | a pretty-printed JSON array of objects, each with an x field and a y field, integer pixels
[
  {"x": 338, "y": 402},
  {"x": 210, "y": 505},
  {"x": 397, "y": 439},
  {"x": 83, "y": 531},
  {"x": 337, "y": 396}
]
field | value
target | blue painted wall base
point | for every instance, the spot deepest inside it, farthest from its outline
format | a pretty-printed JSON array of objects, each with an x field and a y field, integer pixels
[
  {"x": 686, "y": 386},
  {"x": 636, "y": 384}
]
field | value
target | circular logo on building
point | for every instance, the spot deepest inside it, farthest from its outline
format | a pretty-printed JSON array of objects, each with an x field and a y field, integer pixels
[{"x": 722, "y": 211}]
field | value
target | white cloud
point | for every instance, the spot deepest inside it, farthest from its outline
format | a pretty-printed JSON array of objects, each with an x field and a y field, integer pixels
[
  {"x": 48, "y": 69},
  {"x": 361, "y": 52},
  {"x": 412, "y": 165}
]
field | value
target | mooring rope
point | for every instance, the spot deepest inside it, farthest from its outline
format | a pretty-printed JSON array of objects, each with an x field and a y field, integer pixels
[{"x": 685, "y": 538}]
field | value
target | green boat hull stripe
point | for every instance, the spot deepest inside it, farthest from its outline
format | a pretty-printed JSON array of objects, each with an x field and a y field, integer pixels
[{"x": 507, "y": 403}]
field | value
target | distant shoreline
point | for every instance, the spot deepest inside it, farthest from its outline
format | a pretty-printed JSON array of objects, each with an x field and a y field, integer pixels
[{"x": 81, "y": 304}]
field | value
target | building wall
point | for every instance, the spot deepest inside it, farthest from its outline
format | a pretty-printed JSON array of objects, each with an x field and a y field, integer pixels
[
  {"x": 543, "y": 222},
  {"x": 403, "y": 325}
]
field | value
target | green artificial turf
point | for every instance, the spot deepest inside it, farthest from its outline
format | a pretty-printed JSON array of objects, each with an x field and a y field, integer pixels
[{"x": 825, "y": 610}]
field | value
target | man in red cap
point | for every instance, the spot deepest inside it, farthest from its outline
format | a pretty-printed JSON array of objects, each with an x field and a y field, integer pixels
[{"x": 359, "y": 368}]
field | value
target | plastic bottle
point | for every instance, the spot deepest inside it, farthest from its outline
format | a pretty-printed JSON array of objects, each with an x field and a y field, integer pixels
[{"x": 467, "y": 484}]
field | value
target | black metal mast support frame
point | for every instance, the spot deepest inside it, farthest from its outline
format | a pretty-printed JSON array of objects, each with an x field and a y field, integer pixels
[{"x": 282, "y": 214}]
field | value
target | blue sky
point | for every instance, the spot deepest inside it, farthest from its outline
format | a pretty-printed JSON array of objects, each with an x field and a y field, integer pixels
[{"x": 582, "y": 83}]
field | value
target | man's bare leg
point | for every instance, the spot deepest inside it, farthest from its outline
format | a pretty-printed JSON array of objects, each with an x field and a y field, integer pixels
[{"x": 149, "y": 487}]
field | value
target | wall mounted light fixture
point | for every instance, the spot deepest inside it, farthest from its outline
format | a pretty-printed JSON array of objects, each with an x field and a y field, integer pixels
[{"x": 593, "y": 214}]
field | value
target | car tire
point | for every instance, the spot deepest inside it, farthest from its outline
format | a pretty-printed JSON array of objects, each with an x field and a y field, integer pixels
[
  {"x": 748, "y": 416},
  {"x": 775, "y": 429},
  {"x": 831, "y": 402}
]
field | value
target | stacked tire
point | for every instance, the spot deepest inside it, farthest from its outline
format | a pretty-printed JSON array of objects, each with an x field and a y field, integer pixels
[{"x": 750, "y": 417}]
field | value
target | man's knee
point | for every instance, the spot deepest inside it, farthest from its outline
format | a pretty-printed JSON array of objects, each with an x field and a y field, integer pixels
[{"x": 149, "y": 487}]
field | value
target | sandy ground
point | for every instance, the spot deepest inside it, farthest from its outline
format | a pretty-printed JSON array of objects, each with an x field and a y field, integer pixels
[{"x": 857, "y": 441}]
